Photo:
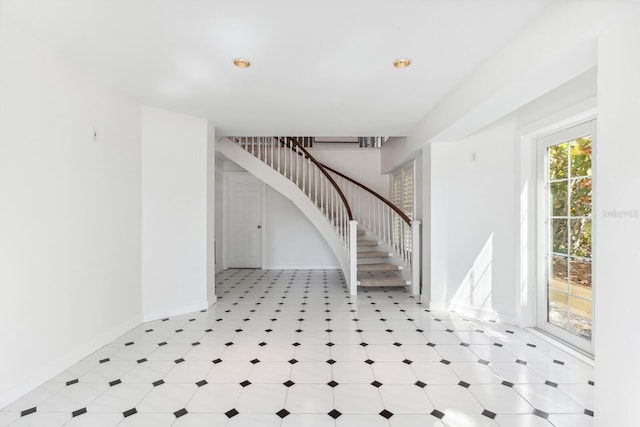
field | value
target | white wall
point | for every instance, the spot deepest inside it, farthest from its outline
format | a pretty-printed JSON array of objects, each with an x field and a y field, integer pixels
[
  {"x": 361, "y": 164},
  {"x": 211, "y": 213},
  {"x": 69, "y": 214},
  {"x": 174, "y": 213},
  {"x": 617, "y": 231},
  {"x": 290, "y": 240},
  {"x": 473, "y": 208},
  {"x": 219, "y": 213}
]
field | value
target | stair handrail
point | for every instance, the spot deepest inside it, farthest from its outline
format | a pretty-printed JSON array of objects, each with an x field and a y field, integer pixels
[
  {"x": 322, "y": 169},
  {"x": 386, "y": 201}
]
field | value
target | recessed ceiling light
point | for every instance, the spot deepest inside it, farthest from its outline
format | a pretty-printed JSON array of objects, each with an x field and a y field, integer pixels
[
  {"x": 402, "y": 62},
  {"x": 241, "y": 63}
]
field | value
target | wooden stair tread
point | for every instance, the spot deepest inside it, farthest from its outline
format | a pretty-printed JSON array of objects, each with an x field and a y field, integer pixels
[
  {"x": 381, "y": 281},
  {"x": 374, "y": 254},
  {"x": 383, "y": 266},
  {"x": 368, "y": 242}
]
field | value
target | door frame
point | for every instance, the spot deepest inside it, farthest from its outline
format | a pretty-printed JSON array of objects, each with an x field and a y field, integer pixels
[
  {"x": 225, "y": 218},
  {"x": 526, "y": 207}
]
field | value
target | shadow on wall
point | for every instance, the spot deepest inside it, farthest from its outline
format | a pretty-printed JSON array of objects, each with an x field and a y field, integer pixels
[{"x": 475, "y": 289}]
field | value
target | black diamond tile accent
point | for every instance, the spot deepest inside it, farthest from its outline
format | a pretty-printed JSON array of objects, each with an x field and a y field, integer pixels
[
  {"x": 262, "y": 344},
  {"x": 160, "y": 344},
  {"x": 551, "y": 383},
  {"x": 389, "y": 330},
  {"x": 105, "y": 360},
  {"x": 130, "y": 412},
  {"x": 588, "y": 412},
  {"x": 540, "y": 413},
  {"x": 397, "y": 344},
  {"x": 497, "y": 344},
  {"x": 299, "y": 330},
  {"x": 195, "y": 343},
  {"x": 208, "y": 330},
  {"x": 464, "y": 384},
  {"x": 288, "y": 383},
  {"x": 531, "y": 345},
  {"x": 115, "y": 382},
  {"x": 484, "y": 362},
  {"x": 282, "y": 413},
  {"x": 127, "y": 344},
  {"x": 369, "y": 362},
  {"x": 507, "y": 383},
  {"x": 179, "y": 330},
  {"x": 79, "y": 412},
  {"x": 149, "y": 330},
  {"x": 464, "y": 344},
  {"x": 334, "y": 413},
  {"x": 437, "y": 414},
  {"x": 419, "y": 330},
  {"x": 332, "y": 383},
  {"x": 254, "y": 361},
  {"x": 489, "y": 414},
  {"x": 330, "y": 344},
  {"x": 407, "y": 361},
  {"x": 28, "y": 412},
  {"x": 420, "y": 384},
  {"x": 179, "y": 360},
  {"x": 430, "y": 344},
  {"x": 364, "y": 344},
  {"x": 359, "y": 330},
  {"x": 522, "y": 362},
  {"x": 331, "y": 361},
  {"x": 228, "y": 343},
  {"x": 238, "y": 330},
  {"x": 245, "y": 383},
  {"x": 141, "y": 360},
  {"x": 296, "y": 344},
  {"x": 376, "y": 384},
  {"x": 559, "y": 362},
  {"x": 386, "y": 414},
  {"x": 328, "y": 330},
  {"x": 449, "y": 330},
  {"x": 202, "y": 383},
  {"x": 231, "y": 413},
  {"x": 216, "y": 361},
  {"x": 509, "y": 332},
  {"x": 72, "y": 382},
  {"x": 591, "y": 383},
  {"x": 268, "y": 330},
  {"x": 180, "y": 412},
  {"x": 157, "y": 383},
  {"x": 293, "y": 361},
  {"x": 446, "y": 362}
]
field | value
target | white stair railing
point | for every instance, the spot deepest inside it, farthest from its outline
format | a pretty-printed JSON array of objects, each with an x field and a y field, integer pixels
[{"x": 385, "y": 220}]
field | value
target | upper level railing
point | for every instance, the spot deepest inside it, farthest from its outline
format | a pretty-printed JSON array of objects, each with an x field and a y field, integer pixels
[{"x": 291, "y": 159}]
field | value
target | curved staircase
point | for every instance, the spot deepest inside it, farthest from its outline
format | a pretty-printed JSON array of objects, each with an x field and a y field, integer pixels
[{"x": 376, "y": 244}]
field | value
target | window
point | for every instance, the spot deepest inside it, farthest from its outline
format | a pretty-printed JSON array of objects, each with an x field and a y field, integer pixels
[{"x": 565, "y": 302}]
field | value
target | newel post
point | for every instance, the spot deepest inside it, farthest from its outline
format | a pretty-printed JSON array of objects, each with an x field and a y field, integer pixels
[
  {"x": 415, "y": 257},
  {"x": 353, "y": 257}
]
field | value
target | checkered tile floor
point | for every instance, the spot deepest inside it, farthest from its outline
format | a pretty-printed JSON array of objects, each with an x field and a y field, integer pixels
[{"x": 291, "y": 348}]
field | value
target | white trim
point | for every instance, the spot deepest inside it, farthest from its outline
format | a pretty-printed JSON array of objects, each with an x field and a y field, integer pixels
[
  {"x": 44, "y": 373},
  {"x": 263, "y": 224},
  {"x": 203, "y": 305},
  {"x": 577, "y": 353},
  {"x": 526, "y": 157},
  {"x": 579, "y": 125}
]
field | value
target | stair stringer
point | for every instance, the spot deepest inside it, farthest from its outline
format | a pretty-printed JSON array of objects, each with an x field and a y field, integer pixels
[{"x": 291, "y": 191}]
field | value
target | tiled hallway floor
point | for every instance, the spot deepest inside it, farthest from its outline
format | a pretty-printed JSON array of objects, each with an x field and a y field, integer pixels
[{"x": 291, "y": 348}]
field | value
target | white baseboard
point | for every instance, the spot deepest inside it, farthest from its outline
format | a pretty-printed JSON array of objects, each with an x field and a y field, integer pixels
[
  {"x": 212, "y": 300},
  {"x": 177, "y": 311},
  {"x": 475, "y": 312},
  {"x": 44, "y": 373},
  {"x": 301, "y": 267}
]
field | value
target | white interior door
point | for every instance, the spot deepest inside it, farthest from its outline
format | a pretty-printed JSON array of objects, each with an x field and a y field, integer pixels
[{"x": 244, "y": 215}]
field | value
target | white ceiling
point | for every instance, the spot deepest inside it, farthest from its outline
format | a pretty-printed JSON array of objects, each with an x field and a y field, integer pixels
[{"x": 318, "y": 67}]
